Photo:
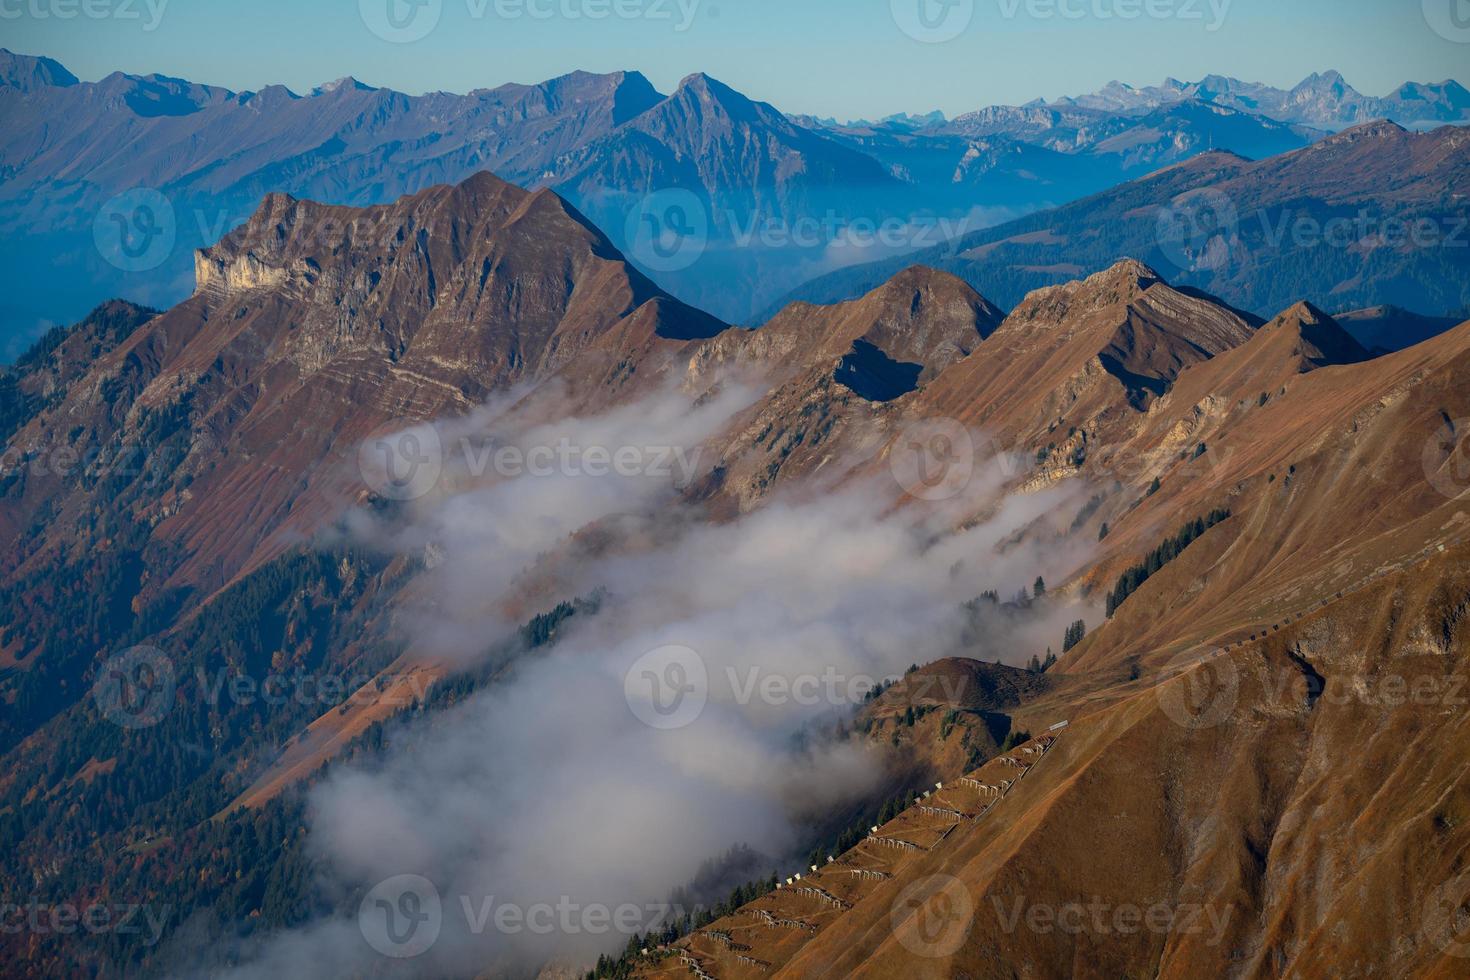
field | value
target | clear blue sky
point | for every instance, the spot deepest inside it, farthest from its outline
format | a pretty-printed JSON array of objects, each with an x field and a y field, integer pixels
[{"x": 842, "y": 58}]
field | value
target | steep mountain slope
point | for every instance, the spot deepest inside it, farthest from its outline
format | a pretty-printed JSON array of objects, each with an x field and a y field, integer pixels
[
  {"x": 1370, "y": 440},
  {"x": 1265, "y": 856},
  {"x": 835, "y": 370},
  {"x": 28, "y": 74},
  {"x": 773, "y": 196},
  {"x": 738, "y": 147},
  {"x": 920, "y": 318},
  {"x": 1077, "y": 354},
  {"x": 1175, "y": 406},
  {"x": 1367, "y": 217},
  {"x": 310, "y": 327},
  {"x": 179, "y": 478},
  {"x": 1209, "y": 718},
  {"x": 40, "y": 380}
]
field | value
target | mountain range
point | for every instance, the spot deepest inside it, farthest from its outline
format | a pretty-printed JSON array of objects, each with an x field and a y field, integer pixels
[
  {"x": 1194, "y": 463},
  {"x": 774, "y": 200},
  {"x": 1366, "y": 217},
  {"x": 1323, "y": 100}
]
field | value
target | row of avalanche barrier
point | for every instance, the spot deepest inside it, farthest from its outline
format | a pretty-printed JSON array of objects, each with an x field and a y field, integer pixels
[{"x": 826, "y": 892}]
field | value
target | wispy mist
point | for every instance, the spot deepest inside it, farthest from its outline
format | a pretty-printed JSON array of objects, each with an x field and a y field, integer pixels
[{"x": 553, "y": 787}]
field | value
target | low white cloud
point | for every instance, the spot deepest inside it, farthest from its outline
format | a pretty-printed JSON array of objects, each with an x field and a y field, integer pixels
[{"x": 548, "y": 787}]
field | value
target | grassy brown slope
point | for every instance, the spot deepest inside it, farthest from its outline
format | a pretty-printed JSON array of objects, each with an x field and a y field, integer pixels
[
  {"x": 1315, "y": 825},
  {"x": 1329, "y": 484},
  {"x": 1309, "y": 831},
  {"x": 1082, "y": 353},
  {"x": 313, "y": 326}
]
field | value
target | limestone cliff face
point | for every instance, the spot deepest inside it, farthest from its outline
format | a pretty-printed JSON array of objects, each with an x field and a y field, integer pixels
[{"x": 218, "y": 275}]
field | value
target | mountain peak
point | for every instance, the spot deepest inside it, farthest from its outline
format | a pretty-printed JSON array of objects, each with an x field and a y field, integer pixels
[
  {"x": 1449, "y": 97},
  {"x": 1379, "y": 129},
  {"x": 633, "y": 95},
  {"x": 483, "y": 230},
  {"x": 344, "y": 84},
  {"x": 585, "y": 84},
  {"x": 29, "y": 72},
  {"x": 894, "y": 338},
  {"x": 1127, "y": 271},
  {"x": 1330, "y": 79},
  {"x": 1303, "y": 312},
  {"x": 920, "y": 291},
  {"x": 1318, "y": 340},
  {"x": 632, "y": 77},
  {"x": 700, "y": 81},
  {"x": 712, "y": 95},
  {"x": 705, "y": 85}
]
